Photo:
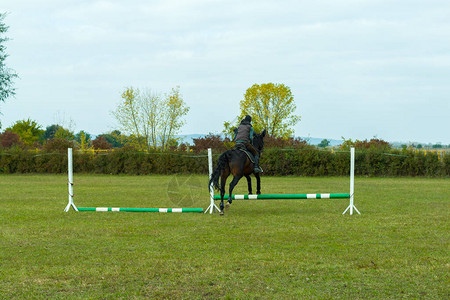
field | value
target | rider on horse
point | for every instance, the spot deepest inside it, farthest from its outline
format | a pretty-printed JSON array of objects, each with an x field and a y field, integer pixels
[{"x": 244, "y": 136}]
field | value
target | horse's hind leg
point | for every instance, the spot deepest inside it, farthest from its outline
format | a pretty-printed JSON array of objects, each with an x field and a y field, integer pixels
[
  {"x": 249, "y": 183},
  {"x": 223, "y": 181},
  {"x": 232, "y": 185},
  {"x": 222, "y": 186}
]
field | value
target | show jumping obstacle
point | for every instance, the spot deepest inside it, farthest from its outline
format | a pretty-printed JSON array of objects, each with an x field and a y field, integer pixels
[
  {"x": 127, "y": 209},
  {"x": 213, "y": 197},
  {"x": 350, "y": 208}
]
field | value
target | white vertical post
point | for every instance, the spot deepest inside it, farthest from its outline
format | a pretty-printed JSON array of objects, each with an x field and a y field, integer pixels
[
  {"x": 352, "y": 178},
  {"x": 211, "y": 189},
  {"x": 352, "y": 182},
  {"x": 70, "y": 171}
]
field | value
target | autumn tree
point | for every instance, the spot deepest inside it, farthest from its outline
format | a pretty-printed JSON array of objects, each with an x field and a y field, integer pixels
[
  {"x": 133, "y": 115},
  {"x": 100, "y": 143},
  {"x": 271, "y": 107},
  {"x": 9, "y": 139},
  {"x": 7, "y": 75},
  {"x": 174, "y": 108},
  {"x": 151, "y": 119}
]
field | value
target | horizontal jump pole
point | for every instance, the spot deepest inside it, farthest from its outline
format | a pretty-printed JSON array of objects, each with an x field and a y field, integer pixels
[
  {"x": 285, "y": 196},
  {"x": 132, "y": 209}
]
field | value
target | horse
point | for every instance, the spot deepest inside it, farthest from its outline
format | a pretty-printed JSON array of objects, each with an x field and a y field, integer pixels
[{"x": 237, "y": 163}]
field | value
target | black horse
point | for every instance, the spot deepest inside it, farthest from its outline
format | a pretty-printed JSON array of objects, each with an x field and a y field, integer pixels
[{"x": 237, "y": 163}]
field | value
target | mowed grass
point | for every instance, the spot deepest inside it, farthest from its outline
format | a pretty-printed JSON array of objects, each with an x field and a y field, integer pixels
[{"x": 283, "y": 249}]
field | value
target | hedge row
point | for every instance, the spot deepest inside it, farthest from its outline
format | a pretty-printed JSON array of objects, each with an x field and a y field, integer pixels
[
  {"x": 371, "y": 163},
  {"x": 276, "y": 162}
]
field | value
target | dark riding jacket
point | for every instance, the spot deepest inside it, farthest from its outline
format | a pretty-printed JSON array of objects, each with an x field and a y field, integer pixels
[{"x": 244, "y": 134}]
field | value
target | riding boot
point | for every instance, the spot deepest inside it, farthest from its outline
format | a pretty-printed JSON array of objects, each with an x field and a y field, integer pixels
[{"x": 256, "y": 167}]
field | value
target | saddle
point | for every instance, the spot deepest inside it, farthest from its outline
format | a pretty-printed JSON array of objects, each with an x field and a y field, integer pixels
[{"x": 242, "y": 148}]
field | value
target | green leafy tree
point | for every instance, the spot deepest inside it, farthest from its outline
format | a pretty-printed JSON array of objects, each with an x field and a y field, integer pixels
[
  {"x": 324, "y": 143},
  {"x": 271, "y": 107},
  {"x": 64, "y": 134},
  {"x": 115, "y": 138},
  {"x": 50, "y": 131},
  {"x": 7, "y": 75},
  {"x": 83, "y": 139},
  {"x": 82, "y": 135},
  {"x": 29, "y": 131}
]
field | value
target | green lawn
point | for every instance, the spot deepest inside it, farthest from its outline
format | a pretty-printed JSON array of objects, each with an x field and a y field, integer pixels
[{"x": 397, "y": 248}]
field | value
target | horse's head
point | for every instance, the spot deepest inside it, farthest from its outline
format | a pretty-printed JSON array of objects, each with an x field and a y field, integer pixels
[{"x": 258, "y": 140}]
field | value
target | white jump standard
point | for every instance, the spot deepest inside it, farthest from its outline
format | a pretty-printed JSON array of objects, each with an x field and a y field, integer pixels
[
  {"x": 70, "y": 172},
  {"x": 350, "y": 208},
  {"x": 212, "y": 206},
  {"x": 116, "y": 209}
]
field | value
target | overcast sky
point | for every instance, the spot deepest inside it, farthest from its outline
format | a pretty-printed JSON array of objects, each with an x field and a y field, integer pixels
[{"x": 357, "y": 68}]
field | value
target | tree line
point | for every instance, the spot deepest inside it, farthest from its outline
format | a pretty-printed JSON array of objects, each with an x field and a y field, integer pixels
[{"x": 148, "y": 120}]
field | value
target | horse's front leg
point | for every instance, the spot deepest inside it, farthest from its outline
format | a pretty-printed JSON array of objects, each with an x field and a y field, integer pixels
[
  {"x": 221, "y": 206},
  {"x": 249, "y": 183},
  {"x": 258, "y": 184}
]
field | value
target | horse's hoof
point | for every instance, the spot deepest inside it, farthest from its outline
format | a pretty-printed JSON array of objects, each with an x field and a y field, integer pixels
[
  {"x": 221, "y": 213},
  {"x": 227, "y": 206}
]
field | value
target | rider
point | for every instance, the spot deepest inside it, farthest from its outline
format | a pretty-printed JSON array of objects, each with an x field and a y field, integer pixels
[{"x": 244, "y": 136}]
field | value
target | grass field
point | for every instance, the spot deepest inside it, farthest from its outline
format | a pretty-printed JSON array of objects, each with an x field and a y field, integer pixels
[{"x": 283, "y": 249}]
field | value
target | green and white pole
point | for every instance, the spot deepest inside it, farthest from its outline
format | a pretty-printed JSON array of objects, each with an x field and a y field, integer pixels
[
  {"x": 285, "y": 196},
  {"x": 134, "y": 209},
  {"x": 211, "y": 206},
  {"x": 70, "y": 173},
  {"x": 352, "y": 183}
]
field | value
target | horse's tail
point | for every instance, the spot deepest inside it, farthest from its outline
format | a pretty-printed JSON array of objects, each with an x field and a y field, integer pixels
[{"x": 221, "y": 165}]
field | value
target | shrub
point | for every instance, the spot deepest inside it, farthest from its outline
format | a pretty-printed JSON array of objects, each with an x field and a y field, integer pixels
[
  {"x": 213, "y": 141},
  {"x": 278, "y": 142},
  {"x": 58, "y": 145},
  {"x": 373, "y": 144}
]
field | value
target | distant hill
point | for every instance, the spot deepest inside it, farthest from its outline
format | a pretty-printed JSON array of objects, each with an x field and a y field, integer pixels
[
  {"x": 189, "y": 138},
  {"x": 316, "y": 141}
]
